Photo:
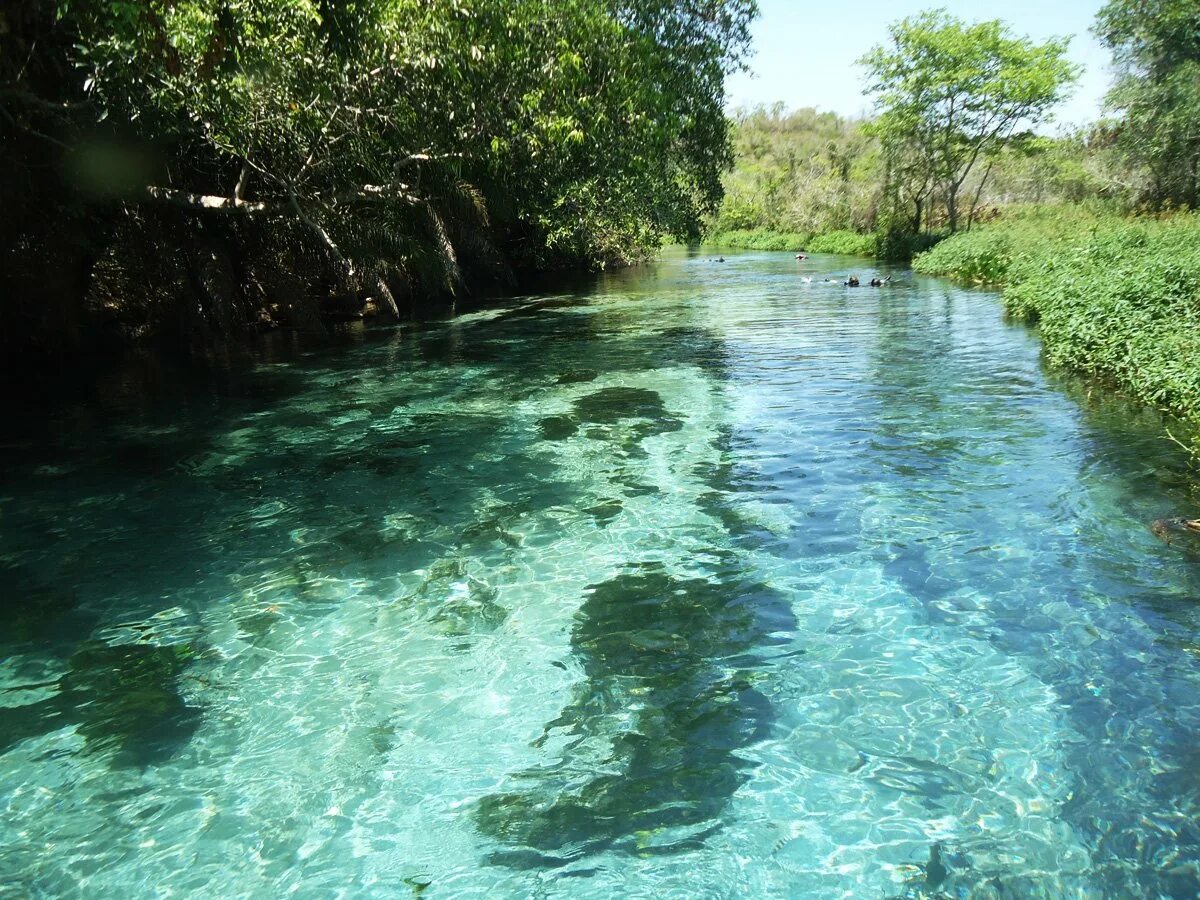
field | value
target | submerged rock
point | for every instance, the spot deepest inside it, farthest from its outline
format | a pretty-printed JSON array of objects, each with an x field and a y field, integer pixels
[
  {"x": 558, "y": 428},
  {"x": 124, "y": 699}
]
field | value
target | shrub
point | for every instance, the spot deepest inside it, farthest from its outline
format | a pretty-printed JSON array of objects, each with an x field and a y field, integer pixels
[
  {"x": 848, "y": 243},
  {"x": 757, "y": 239},
  {"x": 1114, "y": 297}
]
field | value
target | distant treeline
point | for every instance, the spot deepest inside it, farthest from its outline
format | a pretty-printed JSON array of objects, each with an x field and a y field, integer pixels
[
  {"x": 196, "y": 168},
  {"x": 950, "y": 143},
  {"x": 805, "y": 174}
]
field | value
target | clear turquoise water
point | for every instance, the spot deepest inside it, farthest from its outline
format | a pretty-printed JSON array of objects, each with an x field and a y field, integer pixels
[{"x": 704, "y": 582}]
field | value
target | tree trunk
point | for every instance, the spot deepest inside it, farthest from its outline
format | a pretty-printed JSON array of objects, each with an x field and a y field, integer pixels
[{"x": 979, "y": 193}]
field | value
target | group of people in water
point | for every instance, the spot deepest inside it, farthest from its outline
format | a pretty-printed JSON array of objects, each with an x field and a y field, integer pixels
[{"x": 851, "y": 281}]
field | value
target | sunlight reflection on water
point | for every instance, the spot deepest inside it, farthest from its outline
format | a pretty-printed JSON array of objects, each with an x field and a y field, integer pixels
[{"x": 704, "y": 582}]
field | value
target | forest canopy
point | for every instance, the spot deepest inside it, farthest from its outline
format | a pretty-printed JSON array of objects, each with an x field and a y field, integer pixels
[{"x": 429, "y": 140}]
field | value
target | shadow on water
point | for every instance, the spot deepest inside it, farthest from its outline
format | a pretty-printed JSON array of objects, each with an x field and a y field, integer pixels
[{"x": 669, "y": 698}]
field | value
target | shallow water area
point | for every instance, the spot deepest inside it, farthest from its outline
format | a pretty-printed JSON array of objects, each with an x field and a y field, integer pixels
[{"x": 705, "y": 581}]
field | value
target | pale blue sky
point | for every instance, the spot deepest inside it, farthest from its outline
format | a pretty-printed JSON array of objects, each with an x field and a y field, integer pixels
[{"x": 805, "y": 52}]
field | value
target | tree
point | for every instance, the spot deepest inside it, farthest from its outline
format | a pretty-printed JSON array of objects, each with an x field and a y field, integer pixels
[
  {"x": 947, "y": 92},
  {"x": 802, "y": 171},
  {"x": 394, "y": 134},
  {"x": 1156, "y": 49}
]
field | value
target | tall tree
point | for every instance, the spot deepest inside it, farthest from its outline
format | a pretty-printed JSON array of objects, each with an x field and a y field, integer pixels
[
  {"x": 1156, "y": 48},
  {"x": 393, "y": 133},
  {"x": 948, "y": 92}
]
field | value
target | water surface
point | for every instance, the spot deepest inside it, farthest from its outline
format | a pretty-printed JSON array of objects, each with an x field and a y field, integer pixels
[{"x": 703, "y": 582}]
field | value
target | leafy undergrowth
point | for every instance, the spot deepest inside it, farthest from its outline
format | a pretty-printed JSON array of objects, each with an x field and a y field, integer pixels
[
  {"x": 849, "y": 243},
  {"x": 1114, "y": 297},
  {"x": 845, "y": 242}
]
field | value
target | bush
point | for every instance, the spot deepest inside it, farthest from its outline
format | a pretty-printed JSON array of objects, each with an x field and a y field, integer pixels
[
  {"x": 848, "y": 243},
  {"x": 1114, "y": 297},
  {"x": 982, "y": 256},
  {"x": 845, "y": 242},
  {"x": 758, "y": 239}
]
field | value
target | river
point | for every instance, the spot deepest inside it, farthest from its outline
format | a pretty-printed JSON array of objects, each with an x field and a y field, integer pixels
[{"x": 703, "y": 581}]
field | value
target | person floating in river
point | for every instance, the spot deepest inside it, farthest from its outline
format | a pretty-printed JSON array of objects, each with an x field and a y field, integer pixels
[
  {"x": 877, "y": 282},
  {"x": 801, "y": 256},
  {"x": 1170, "y": 530},
  {"x": 852, "y": 281}
]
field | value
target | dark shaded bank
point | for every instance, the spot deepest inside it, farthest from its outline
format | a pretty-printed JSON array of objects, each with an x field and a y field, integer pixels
[
  {"x": 96, "y": 281},
  {"x": 191, "y": 173},
  {"x": 106, "y": 369}
]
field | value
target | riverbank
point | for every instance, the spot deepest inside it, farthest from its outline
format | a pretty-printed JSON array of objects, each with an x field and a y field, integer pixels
[
  {"x": 290, "y": 170},
  {"x": 1113, "y": 297},
  {"x": 846, "y": 243}
]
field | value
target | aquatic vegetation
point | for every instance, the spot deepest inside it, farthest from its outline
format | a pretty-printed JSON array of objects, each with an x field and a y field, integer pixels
[
  {"x": 605, "y": 511},
  {"x": 626, "y": 416},
  {"x": 558, "y": 428},
  {"x": 611, "y": 405},
  {"x": 123, "y": 700},
  {"x": 578, "y": 376},
  {"x": 659, "y": 714},
  {"x": 468, "y": 607},
  {"x": 1114, "y": 298}
]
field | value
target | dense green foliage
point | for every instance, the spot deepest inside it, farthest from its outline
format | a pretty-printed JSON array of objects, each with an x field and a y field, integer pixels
[
  {"x": 945, "y": 146},
  {"x": 756, "y": 239},
  {"x": 847, "y": 242},
  {"x": 850, "y": 243},
  {"x": 390, "y": 135},
  {"x": 803, "y": 172},
  {"x": 1113, "y": 296},
  {"x": 1156, "y": 49},
  {"x": 947, "y": 92}
]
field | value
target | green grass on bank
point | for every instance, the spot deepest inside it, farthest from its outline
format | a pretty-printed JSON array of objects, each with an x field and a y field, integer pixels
[
  {"x": 1114, "y": 297},
  {"x": 846, "y": 242}
]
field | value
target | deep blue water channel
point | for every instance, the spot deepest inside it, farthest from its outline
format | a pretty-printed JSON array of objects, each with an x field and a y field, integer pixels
[{"x": 702, "y": 582}]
